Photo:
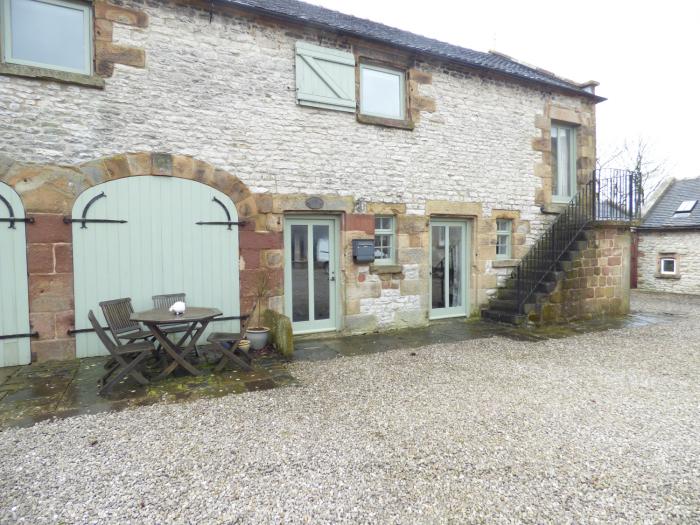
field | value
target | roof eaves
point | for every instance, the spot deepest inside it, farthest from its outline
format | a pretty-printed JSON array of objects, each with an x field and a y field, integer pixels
[{"x": 665, "y": 227}]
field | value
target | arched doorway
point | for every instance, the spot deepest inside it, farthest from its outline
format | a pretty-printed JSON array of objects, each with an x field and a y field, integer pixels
[
  {"x": 14, "y": 296},
  {"x": 151, "y": 235}
]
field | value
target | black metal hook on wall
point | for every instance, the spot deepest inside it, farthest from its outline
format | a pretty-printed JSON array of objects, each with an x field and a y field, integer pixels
[
  {"x": 12, "y": 219},
  {"x": 228, "y": 222},
  {"x": 84, "y": 220}
]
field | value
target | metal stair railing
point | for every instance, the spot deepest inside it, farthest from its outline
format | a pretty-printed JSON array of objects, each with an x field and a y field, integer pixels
[{"x": 610, "y": 195}]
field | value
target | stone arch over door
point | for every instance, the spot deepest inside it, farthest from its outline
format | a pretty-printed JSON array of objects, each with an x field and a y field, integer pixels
[
  {"x": 49, "y": 193},
  {"x": 54, "y": 188}
]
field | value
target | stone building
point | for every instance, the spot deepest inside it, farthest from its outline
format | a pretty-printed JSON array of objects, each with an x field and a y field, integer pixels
[
  {"x": 195, "y": 146},
  {"x": 668, "y": 239}
]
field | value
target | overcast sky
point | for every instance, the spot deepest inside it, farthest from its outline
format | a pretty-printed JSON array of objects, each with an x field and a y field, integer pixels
[{"x": 645, "y": 54}]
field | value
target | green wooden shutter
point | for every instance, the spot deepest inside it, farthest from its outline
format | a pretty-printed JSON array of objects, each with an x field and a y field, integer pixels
[{"x": 325, "y": 77}]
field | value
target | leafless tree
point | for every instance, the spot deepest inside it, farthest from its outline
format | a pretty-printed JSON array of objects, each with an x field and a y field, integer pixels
[{"x": 638, "y": 156}]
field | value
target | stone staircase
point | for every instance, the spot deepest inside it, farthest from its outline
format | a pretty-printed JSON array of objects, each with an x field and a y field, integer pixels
[
  {"x": 504, "y": 306},
  {"x": 571, "y": 272}
]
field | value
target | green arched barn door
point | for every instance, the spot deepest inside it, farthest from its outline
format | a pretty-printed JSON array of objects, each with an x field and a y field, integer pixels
[
  {"x": 153, "y": 245},
  {"x": 14, "y": 297}
]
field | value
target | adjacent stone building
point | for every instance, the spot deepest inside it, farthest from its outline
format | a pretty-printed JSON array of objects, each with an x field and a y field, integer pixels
[
  {"x": 311, "y": 130},
  {"x": 668, "y": 257}
]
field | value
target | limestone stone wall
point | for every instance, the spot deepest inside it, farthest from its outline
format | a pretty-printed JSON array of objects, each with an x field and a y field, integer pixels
[
  {"x": 218, "y": 89},
  {"x": 684, "y": 246},
  {"x": 596, "y": 281},
  {"x": 223, "y": 91}
]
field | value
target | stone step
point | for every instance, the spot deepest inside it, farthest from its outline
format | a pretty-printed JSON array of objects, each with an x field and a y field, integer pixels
[
  {"x": 507, "y": 294},
  {"x": 570, "y": 255},
  {"x": 555, "y": 276},
  {"x": 501, "y": 316},
  {"x": 546, "y": 287},
  {"x": 507, "y": 305},
  {"x": 587, "y": 235},
  {"x": 565, "y": 266},
  {"x": 579, "y": 245}
]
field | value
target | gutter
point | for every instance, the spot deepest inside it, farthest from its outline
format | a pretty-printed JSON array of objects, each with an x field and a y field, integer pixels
[{"x": 304, "y": 21}]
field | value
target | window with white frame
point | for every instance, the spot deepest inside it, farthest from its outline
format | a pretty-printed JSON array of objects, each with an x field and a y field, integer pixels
[
  {"x": 51, "y": 34},
  {"x": 667, "y": 266},
  {"x": 563, "y": 162},
  {"x": 504, "y": 234},
  {"x": 384, "y": 244},
  {"x": 382, "y": 92}
]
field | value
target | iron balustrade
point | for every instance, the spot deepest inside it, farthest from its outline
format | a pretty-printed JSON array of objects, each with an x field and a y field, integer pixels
[{"x": 610, "y": 195}]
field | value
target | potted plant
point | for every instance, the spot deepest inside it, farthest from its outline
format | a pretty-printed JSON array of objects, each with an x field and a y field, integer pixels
[{"x": 258, "y": 335}]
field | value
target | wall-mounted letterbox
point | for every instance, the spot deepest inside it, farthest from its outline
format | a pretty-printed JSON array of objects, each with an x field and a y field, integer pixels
[{"x": 363, "y": 250}]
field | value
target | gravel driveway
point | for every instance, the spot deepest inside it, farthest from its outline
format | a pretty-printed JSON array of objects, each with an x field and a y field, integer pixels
[{"x": 598, "y": 427}]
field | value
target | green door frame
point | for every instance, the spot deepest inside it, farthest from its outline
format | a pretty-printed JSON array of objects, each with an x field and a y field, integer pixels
[
  {"x": 333, "y": 223},
  {"x": 454, "y": 311}
]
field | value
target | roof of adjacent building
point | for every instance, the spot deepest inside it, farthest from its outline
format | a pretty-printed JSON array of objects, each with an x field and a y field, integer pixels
[
  {"x": 663, "y": 214},
  {"x": 351, "y": 25}
]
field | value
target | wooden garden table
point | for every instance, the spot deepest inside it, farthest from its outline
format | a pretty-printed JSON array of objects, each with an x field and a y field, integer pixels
[{"x": 195, "y": 318}]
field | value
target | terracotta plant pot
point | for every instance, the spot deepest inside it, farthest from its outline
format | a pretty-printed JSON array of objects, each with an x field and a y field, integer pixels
[{"x": 258, "y": 337}]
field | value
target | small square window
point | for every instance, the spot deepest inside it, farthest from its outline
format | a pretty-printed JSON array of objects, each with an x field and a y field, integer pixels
[
  {"x": 384, "y": 236},
  {"x": 504, "y": 233},
  {"x": 668, "y": 266},
  {"x": 382, "y": 92},
  {"x": 51, "y": 34}
]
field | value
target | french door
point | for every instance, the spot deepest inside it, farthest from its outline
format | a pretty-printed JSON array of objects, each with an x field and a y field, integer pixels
[
  {"x": 310, "y": 266},
  {"x": 449, "y": 249}
]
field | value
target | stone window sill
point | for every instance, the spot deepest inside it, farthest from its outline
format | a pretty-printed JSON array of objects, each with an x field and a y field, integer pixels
[
  {"x": 385, "y": 268},
  {"x": 667, "y": 276},
  {"x": 387, "y": 122},
  {"x": 553, "y": 208},
  {"x": 504, "y": 263},
  {"x": 18, "y": 70}
]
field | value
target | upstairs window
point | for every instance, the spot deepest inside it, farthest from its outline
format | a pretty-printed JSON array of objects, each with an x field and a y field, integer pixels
[
  {"x": 384, "y": 245},
  {"x": 50, "y": 34},
  {"x": 382, "y": 92},
  {"x": 563, "y": 162},
  {"x": 504, "y": 234}
]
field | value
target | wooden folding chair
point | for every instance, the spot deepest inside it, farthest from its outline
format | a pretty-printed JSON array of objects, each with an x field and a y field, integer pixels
[
  {"x": 117, "y": 313},
  {"x": 127, "y": 357},
  {"x": 227, "y": 344},
  {"x": 164, "y": 302}
]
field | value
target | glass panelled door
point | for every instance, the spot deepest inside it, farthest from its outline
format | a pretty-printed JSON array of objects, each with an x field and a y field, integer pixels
[
  {"x": 310, "y": 268},
  {"x": 449, "y": 269}
]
